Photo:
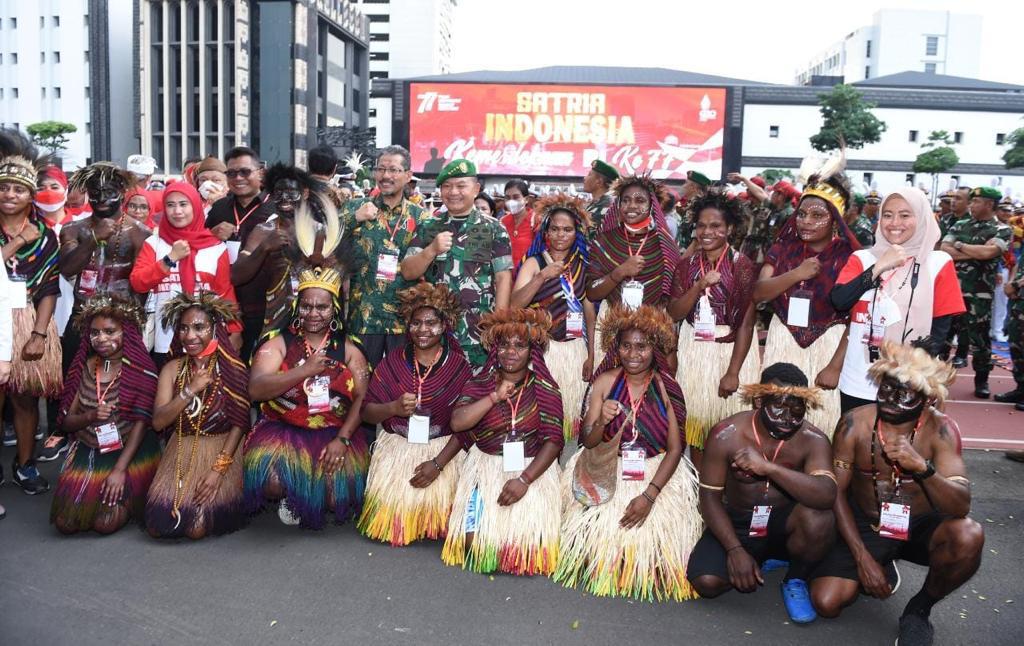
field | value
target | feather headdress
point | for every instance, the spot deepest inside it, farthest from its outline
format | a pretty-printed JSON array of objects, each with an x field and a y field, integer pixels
[
  {"x": 218, "y": 309},
  {"x": 19, "y": 159},
  {"x": 112, "y": 306},
  {"x": 822, "y": 177},
  {"x": 100, "y": 173},
  {"x": 914, "y": 367},
  {"x": 438, "y": 297}
]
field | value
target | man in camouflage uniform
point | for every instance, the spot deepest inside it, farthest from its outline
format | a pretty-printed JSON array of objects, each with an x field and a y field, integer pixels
[
  {"x": 959, "y": 208},
  {"x": 768, "y": 214},
  {"x": 945, "y": 216},
  {"x": 696, "y": 184},
  {"x": 598, "y": 182},
  {"x": 1014, "y": 289},
  {"x": 467, "y": 250},
  {"x": 378, "y": 232},
  {"x": 858, "y": 222},
  {"x": 975, "y": 244}
]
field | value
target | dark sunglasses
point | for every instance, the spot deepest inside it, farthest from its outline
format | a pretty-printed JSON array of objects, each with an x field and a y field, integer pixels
[{"x": 235, "y": 172}]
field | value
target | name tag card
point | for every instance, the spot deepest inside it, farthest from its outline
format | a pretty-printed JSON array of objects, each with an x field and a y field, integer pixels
[
  {"x": 633, "y": 294},
  {"x": 387, "y": 267},
  {"x": 704, "y": 323},
  {"x": 18, "y": 293},
  {"x": 87, "y": 282},
  {"x": 799, "y": 309},
  {"x": 318, "y": 394},
  {"x": 894, "y": 521},
  {"x": 633, "y": 464},
  {"x": 108, "y": 438},
  {"x": 234, "y": 246},
  {"x": 574, "y": 324},
  {"x": 513, "y": 456},
  {"x": 759, "y": 521},
  {"x": 419, "y": 429}
]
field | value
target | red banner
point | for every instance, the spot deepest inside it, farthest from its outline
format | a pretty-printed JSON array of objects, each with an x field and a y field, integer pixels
[{"x": 558, "y": 130}]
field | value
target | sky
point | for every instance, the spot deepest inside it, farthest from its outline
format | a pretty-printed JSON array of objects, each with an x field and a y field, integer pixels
[{"x": 757, "y": 41}]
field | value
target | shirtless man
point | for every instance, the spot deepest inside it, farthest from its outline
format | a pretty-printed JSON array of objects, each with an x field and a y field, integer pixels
[
  {"x": 903, "y": 494},
  {"x": 773, "y": 468}
]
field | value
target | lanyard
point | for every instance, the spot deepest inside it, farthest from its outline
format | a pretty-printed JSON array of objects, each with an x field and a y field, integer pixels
[
  {"x": 319, "y": 347},
  {"x": 760, "y": 447},
  {"x": 420, "y": 380},
  {"x": 896, "y": 478},
  {"x": 515, "y": 408},
  {"x": 634, "y": 407},
  {"x": 102, "y": 395},
  {"x": 256, "y": 203},
  {"x": 629, "y": 247}
]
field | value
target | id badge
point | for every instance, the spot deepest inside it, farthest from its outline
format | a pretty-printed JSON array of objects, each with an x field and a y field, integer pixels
[
  {"x": 387, "y": 267},
  {"x": 633, "y": 294},
  {"x": 877, "y": 335},
  {"x": 574, "y": 324},
  {"x": 18, "y": 293},
  {"x": 799, "y": 309},
  {"x": 234, "y": 246},
  {"x": 704, "y": 323},
  {"x": 513, "y": 456},
  {"x": 759, "y": 521},
  {"x": 87, "y": 282},
  {"x": 633, "y": 464},
  {"x": 419, "y": 429},
  {"x": 318, "y": 394},
  {"x": 108, "y": 438},
  {"x": 894, "y": 521},
  {"x": 473, "y": 511}
]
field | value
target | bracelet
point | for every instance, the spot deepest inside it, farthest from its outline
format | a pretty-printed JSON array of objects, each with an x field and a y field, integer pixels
[
  {"x": 344, "y": 440},
  {"x": 437, "y": 465},
  {"x": 711, "y": 487},
  {"x": 523, "y": 480},
  {"x": 244, "y": 252},
  {"x": 42, "y": 334},
  {"x": 167, "y": 261},
  {"x": 223, "y": 462},
  {"x": 825, "y": 472},
  {"x": 186, "y": 393},
  {"x": 648, "y": 497},
  {"x": 651, "y": 483}
]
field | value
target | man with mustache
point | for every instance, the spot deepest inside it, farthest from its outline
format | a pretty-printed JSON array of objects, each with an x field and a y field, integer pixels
[
  {"x": 903, "y": 494},
  {"x": 766, "y": 492}
]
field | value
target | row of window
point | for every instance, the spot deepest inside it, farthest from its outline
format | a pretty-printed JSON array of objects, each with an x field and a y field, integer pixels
[
  {"x": 54, "y": 57},
  {"x": 54, "y": 20},
  {"x": 54, "y": 93},
  {"x": 958, "y": 137}
]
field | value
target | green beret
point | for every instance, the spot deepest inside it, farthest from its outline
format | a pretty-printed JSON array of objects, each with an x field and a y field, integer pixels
[
  {"x": 987, "y": 192},
  {"x": 859, "y": 199},
  {"x": 456, "y": 168},
  {"x": 605, "y": 170},
  {"x": 698, "y": 178}
]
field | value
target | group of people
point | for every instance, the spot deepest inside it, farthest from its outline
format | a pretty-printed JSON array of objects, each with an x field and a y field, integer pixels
[{"x": 573, "y": 390}]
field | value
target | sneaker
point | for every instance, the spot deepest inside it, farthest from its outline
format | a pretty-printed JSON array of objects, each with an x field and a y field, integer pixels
[
  {"x": 27, "y": 477},
  {"x": 774, "y": 564},
  {"x": 39, "y": 433},
  {"x": 1015, "y": 396},
  {"x": 285, "y": 514},
  {"x": 798, "y": 601},
  {"x": 915, "y": 630},
  {"x": 959, "y": 362},
  {"x": 55, "y": 446},
  {"x": 10, "y": 439}
]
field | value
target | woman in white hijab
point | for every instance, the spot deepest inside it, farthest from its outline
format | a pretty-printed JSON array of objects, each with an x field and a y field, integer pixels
[{"x": 900, "y": 290}]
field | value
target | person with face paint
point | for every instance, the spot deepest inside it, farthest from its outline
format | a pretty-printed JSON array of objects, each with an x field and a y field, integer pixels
[
  {"x": 106, "y": 407},
  {"x": 903, "y": 494},
  {"x": 711, "y": 298},
  {"x": 307, "y": 450},
  {"x": 506, "y": 513},
  {"x": 631, "y": 515},
  {"x": 416, "y": 461},
  {"x": 796, "y": 279},
  {"x": 766, "y": 492},
  {"x": 184, "y": 257},
  {"x": 520, "y": 220},
  {"x": 29, "y": 251},
  {"x": 202, "y": 408},
  {"x": 553, "y": 279},
  {"x": 900, "y": 289}
]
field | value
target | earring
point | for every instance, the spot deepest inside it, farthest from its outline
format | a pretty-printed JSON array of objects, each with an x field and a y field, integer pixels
[
  {"x": 334, "y": 325},
  {"x": 293, "y": 327}
]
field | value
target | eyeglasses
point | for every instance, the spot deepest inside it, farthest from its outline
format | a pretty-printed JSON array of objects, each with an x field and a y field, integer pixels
[
  {"x": 235, "y": 172},
  {"x": 381, "y": 170}
]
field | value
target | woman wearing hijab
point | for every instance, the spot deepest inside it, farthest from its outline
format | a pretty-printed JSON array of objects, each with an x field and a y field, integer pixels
[
  {"x": 183, "y": 257},
  {"x": 899, "y": 290}
]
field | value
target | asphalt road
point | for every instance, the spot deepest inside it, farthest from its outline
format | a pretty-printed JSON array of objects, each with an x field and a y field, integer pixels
[{"x": 271, "y": 584}]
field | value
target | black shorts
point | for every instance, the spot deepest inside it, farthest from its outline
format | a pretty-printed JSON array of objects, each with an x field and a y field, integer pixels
[
  {"x": 709, "y": 557},
  {"x": 839, "y": 562},
  {"x": 375, "y": 346}
]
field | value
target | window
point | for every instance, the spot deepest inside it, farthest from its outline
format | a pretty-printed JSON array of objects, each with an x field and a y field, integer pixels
[
  {"x": 913, "y": 137},
  {"x": 88, "y": 127},
  {"x": 867, "y": 50},
  {"x": 1, "y": 59},
  {"x": 773, "y": 132},
  {"x": 56, "y": 57},
  {"x": 867, "y": 71},
  {"x": 56, "y": 92},
  {"x": 378, "y": 75},
  {"x": 14, "y": 25},
  {"x": 954, "y": 180},
  {"x": 56, "y": 21},
  {"x": 14, "y": 90},
  {"x": 910, "y": 178},
  {"x": 380, "y": 37},
  {"x": 378, "y": 17},
  {"x": 42, "y": 57},
  {"x": 958, "y": 137},
  {"x": 88, "y": 92},
  {"x": 868, "y": 178},
  {"x": 42, "y": 21},
  {"x": 42, "y": 92},
  {"x": 929, "y": 68},
  {"x": 14, "y": 58},
  {"x": 1, "y": 93},
  {"x": 380, "y": 56},
  {"x": 931, "y": 46},
  {"x": 1000, "y": 138}
]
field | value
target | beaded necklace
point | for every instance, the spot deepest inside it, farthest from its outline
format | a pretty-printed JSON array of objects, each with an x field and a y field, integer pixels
[{"x": 194, "y": 419}]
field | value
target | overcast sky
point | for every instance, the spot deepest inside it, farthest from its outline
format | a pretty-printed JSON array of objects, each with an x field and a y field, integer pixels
[{"x": 758, "y": 41}]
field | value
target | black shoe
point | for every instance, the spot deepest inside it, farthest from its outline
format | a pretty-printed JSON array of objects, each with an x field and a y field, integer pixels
[
  {"x": 981, "y": 390},
  {"x": 1016, "y": 456},
  {"x": 959, "y": 362},
  {"x": 1015, "y": 396},
  {"x": 55, "y": 446},
  {"x": 915, "y": 630},
  {"x": 28, "y": 478}
]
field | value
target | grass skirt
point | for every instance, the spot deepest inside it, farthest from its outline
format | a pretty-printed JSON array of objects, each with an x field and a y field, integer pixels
[
  {"x": 781, "y": 346},
  {"x": 77, "y": 504},
  {"x": 701, "y": 366},
  {"x": 291, "y": 454},
  {"x": 396, "y": 512},
  {"x": 565, "y": 360},
  {"x": 647, "y": 562},
  {"x": 225, "y": 514},
  {"x": 520, "y": 539},
  {"x": 41, "y": 378}
]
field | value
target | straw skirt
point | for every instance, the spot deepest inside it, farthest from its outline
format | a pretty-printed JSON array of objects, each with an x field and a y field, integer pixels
[{"x": 565, "y": 360}]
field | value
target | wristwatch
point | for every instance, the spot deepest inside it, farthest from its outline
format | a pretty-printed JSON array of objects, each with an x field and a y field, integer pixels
[
  {"x": 929, "y": 471},
  {"x": 958, "y": 245},
  {"x": 167, "y": 261}
]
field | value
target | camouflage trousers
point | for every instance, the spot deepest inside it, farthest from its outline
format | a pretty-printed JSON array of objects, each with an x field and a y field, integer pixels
[
  {"x": 1015, "y": 333},
  {"x": 975, "y": 332}
]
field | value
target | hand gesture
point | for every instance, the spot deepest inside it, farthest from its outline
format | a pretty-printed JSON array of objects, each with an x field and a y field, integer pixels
[
  {"x": 553, "y": 270},
  {"x": 735, "y": 178},
  {"x": 610, "y": 409},
  {"x": 332, "y": 456},
  {"x": 512, "y": 492},
  {"x": 504, "y": 390},
  {"x": 33, "y": 348},
  {"x": 750, "y": 460},
  {"x": 744, "y": 575},
  {"x": 828, "y": 378},
  {"x": 709, "y": 279},
  {"x": 636, "y": 513},
  {"x": 223, "y": 231},
  {"x": 200, "y": 380},
  {"x": 180, "y": 249},
  {"x": 29, "y": 234},
  {"x": 728, "y": 384},
  {"x": 275, "y": 239},
  {"x": 442, "y": 243},
  {"x": 588, "y": 369},
  {"x": 103, "y": 227},
  {"x": 630, "y": 268},
  {"x": 898, "y": 450},
  {"x": 424, "y": 475},
  {"x": 112, "y": 488},
  {"x": 316, "y": 364},
  {"x": 893, "y": 257},
  {"x": 405, "y": 405},
  {"x": 102, "y": 412},
  {"x": 367, "y": 212},
  {"x": 206, "y": 488},
  {"x": 872, "y": 578},
  {"x": 808, "y": 269}
]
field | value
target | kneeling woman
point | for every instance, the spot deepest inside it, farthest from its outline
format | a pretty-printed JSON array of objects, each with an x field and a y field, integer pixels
[
  {"x": 201, "y": 398},
  {"x": 307, "y": 450},
  {"x": 416, "y": 461},
  {"x": 631, "y": 514},
  {"x": 506, "y": 513},
  {"x": 114, "y": 454}
]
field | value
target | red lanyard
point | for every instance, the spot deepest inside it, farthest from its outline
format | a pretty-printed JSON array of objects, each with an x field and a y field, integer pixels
[
  {"x": 892, "y": 274},
  {"x": 896, "y": 471},
  {"x": 515, "y": 408},
  {"x": 309, "y": 348},
  {"x": 102, "y": 395},
  {"x": 760, "y": 447},
  {"x": 629, "y": 247},
  {"x": 634, "y": 407},
  {"x": 420, "y": 380},
  {"x": 256, "y": 203}
]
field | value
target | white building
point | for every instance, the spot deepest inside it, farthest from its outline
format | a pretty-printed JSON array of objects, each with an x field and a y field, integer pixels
[
  {"x": 408, "y": 38},
  {"x": 898, "y": 40}
]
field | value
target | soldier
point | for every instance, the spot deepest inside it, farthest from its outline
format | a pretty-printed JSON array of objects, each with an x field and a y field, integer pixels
[
  {"x": 597, "y": 182},
  {"x": 872, "y": 201},
  {"x": 859, "y": 223},
  {"x": 975, "y": 245},
  {"x": 696, "y": 185},
  {"x": 1014, "y": 290},
  {"x": 468, "y": 251}
]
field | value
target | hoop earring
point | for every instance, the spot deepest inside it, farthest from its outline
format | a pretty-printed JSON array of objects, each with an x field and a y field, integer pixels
[
  {"x": 335, "y": 326},
  {"x": 293, "y": 327}
]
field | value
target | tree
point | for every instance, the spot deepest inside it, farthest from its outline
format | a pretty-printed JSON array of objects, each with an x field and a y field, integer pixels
[
  {"x": 847, "y": 121},
  {"x": 1014, "y": 157},
  {"x": 936, "y": 158},
  {"x": 51, "y": 134},
  {"x": 773, "y": 175}
]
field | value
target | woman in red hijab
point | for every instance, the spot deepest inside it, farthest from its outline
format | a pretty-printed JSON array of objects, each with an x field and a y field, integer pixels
[{"x": 183, "y": 257}]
